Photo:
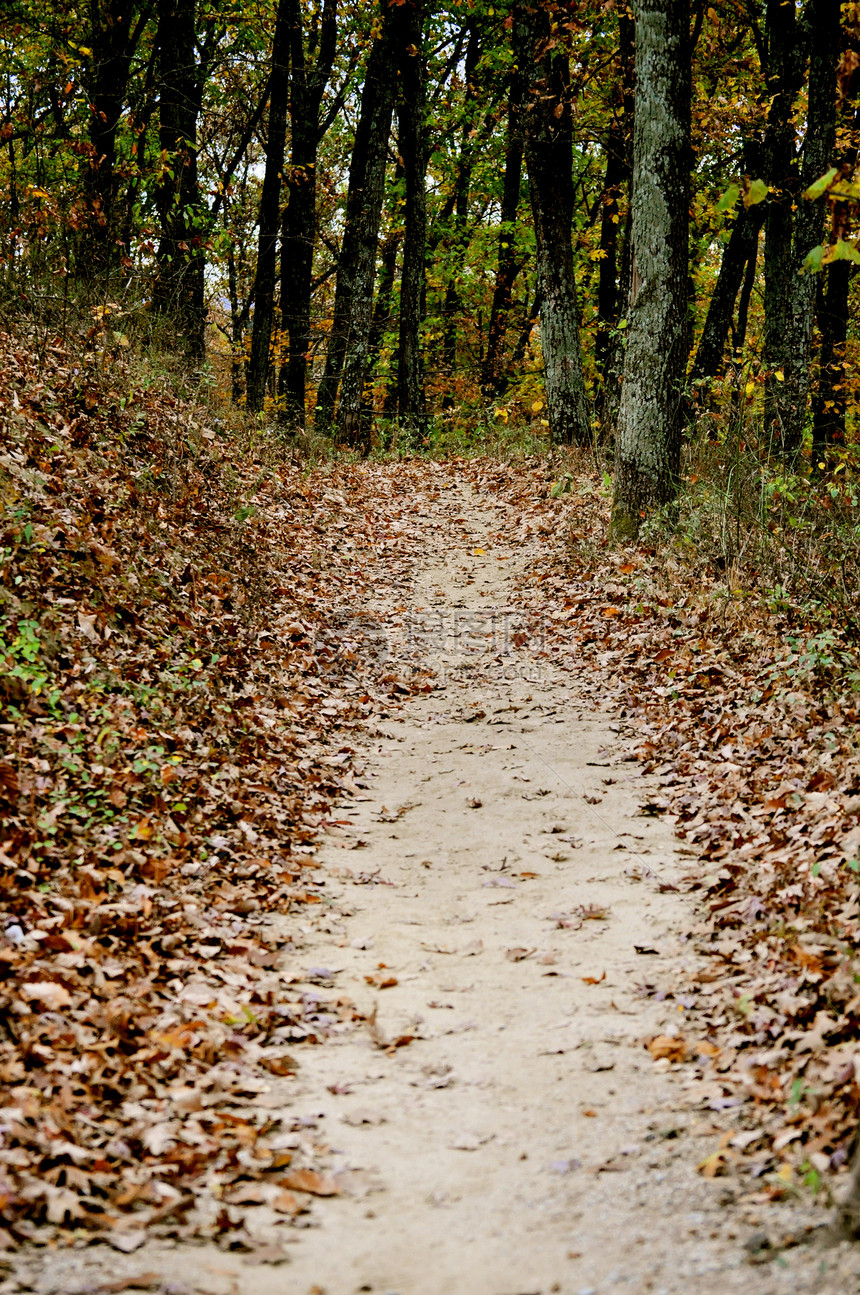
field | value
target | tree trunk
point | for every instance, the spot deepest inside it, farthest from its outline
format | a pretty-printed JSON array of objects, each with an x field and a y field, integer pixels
[
  {"x": 818, "y": 149},
  {"x": 382, "y": 309},
  {"x": 276, "y": 139},
  {"x": 115, "y": 29},
  {"x": 649, "y": 423},
  {"x": 179, "y": 292},
  {"x": 356, "y": 270},
  {"x": 783, "y": 76},
  {"x": 548, "y": 132},
  {"x": 298, "y": 234},
  {"x": 508, "y": 266},
  {"x": 618, "y": 163},
  {"x": 830, "y": 402},
  {"x": 458, "y": 243},
  {"x": 408, "y": 35},
  {"x": 741, "y": 249}
]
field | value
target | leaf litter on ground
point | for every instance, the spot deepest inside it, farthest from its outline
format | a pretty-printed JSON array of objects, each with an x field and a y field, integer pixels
[{"x": 184, "y": 665}]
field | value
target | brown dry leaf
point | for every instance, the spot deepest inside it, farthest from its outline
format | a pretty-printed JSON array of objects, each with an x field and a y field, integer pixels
[
  {"x": 594, "y": 980},
  {"x": 280, "y": 1065},
  {"x": 671, "y": 1047},
  {"x": 593, "y": 912},
  {"x": 309, "y": 1180},
  {"x": 286, "y": 1203},
  {"x": 49, "y": 993}
]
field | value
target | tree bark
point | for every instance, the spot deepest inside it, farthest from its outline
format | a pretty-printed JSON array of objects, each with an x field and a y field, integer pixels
[
  {"x": 741, "y": 249},
  {"x": 298, "y": 232},
  {"x": 179, "y": 292},
  {"x": 458, "y": 243},
  {"x": 408, "y": 35},
  {"x": 276, "y": 139},
  {"x": 823, "y": 26},
  {"x": 618, "y": 165},
  {"x": 783, "y": 77},
  {"x": 649, "y": 423},
  {"x": 115, "y": 30},
  {"x": 508, "y": 266},
  {"x": 830, "y": 402},
  {"x": 356, "y": 270},
  {"x": 382, "y": 311},
  {"x": 548, "y": 130}
]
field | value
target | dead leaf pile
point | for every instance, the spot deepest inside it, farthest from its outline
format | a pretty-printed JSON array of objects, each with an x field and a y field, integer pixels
[{"x": 184, "y": 661}]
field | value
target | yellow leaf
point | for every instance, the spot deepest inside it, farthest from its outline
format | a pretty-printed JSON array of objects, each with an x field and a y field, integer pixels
[
  {"x": 750, "y": 390},
  {"x": 785, "y": 1172},
  {"x": 85, "y": 50},
  {"x": 712, "y": 1165},
  {"x": 779, "y": 375},
  {"x": 479, "y": 553},
  {"x": 537, "y": 406}
]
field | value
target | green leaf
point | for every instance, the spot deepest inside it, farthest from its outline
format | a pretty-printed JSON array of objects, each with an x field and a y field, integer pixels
[
  {"x": 842, "y": 251},
  {"x": 814, "y": 261},
  {"x": 822, "y": 185},
  {"x": 729, "y": 198},
  {"x": 756, "y": 191}
]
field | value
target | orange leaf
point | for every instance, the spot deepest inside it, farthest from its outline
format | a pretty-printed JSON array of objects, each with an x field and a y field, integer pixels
[
  {"x": 286, "y": 1203},
  {"x": 308, "y": 1180},
  {"x": 673, "y": 1048}
]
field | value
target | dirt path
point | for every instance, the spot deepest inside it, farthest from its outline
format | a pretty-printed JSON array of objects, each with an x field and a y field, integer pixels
[{"x": 503, "y": 906}]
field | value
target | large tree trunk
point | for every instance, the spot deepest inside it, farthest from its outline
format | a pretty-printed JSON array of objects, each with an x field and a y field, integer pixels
[
  {"x": 650, "y": 417},
  {"x": 508, "y": 266},
  {"x": 115, "y": 30},
  {"x": 549, "y": 159},
  {"x": 356, "y": 270},
  {"x": 382, "y": 312},
  {"x": 408, "y": 35},
  {"x": 298, "y": 234},
  {"x": 830, "y": 402},
  {"x": 276, "y": 139},
  {"x": 458, "y": 243},
  {"x": 783, "y": 76},
  {"x": 823, "y": 25},
  {"x": 179, "y": 291},
  {"x": 823, "y": 34},
  {"x": 618, "y": 165}
]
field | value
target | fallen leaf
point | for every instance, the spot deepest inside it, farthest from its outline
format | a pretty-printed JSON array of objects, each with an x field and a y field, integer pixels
[
  {"x": 671, "y": 1047},
  {"x": 308, "y": 1180}
]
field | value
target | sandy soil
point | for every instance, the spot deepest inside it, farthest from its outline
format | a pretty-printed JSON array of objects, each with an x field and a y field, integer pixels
[{"x": 497, "y": 867}]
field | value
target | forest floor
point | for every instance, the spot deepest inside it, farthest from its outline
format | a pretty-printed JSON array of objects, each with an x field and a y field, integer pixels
[
  {"x": 509, "y": 1111},
  {"x": 401, "y": 891}
]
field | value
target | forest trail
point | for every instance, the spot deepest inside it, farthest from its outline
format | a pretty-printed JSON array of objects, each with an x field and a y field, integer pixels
[{"x": 502, "y": 911}]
